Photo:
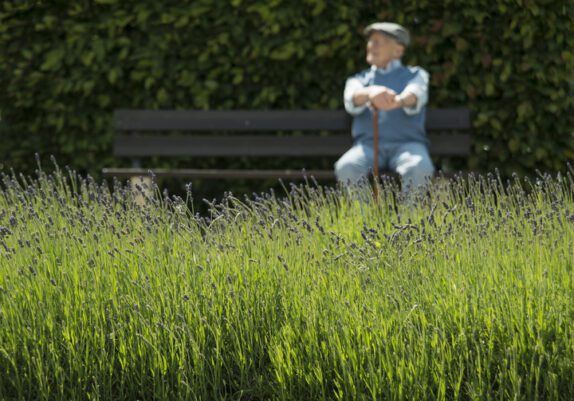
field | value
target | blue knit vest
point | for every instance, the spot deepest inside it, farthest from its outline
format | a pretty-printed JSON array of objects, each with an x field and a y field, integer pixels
[{"x": 395, "y": 126}]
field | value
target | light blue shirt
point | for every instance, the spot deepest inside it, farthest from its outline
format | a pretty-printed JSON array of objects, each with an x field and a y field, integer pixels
[{"x": 417, "y": 86}]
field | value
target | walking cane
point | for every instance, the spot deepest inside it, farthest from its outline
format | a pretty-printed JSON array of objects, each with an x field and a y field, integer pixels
[{"x": 375, "y": 152}]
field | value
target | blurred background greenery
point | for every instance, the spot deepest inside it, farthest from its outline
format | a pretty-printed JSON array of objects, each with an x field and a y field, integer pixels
[{"x": 65, "y": 66}]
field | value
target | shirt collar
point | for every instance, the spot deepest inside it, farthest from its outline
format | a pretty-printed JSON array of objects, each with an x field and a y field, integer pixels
[{"x": 393, "y": 65}]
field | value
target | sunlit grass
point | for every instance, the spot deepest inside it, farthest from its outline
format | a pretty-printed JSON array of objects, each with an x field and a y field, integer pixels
[{"x": 311, "y": 295}]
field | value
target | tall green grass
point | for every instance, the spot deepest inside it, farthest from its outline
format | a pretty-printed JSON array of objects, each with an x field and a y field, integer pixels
[{"x": 466, "y": 294}]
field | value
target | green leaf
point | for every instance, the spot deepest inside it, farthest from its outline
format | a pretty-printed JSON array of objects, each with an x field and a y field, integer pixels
[
  {"x": 113, "y": 75},
  {"x": 237, "y": 77},
  {"x": 451, "y": 28},
  {"x": 540, "y": 153},
  {"x": 181, "y": 22},
  {"x": 489, "y": 89},
  {"x": 162, "y": 96},
  {"x": 322, "y": 50},
  {"x": 88, "y": 87},
  {"x": 211, "y": 85},
  {"x": 283, "y": 53},
  {"x": 87, "y": 58},
  {"x": 123, "y": 54},
  {"x": 99, "y": 49},
  {"x": 524, "y": 110},
  {"x": 53, "y": 59},
  {"x": 149, "y": 81},
  {"x": 495, "y": 123},
  {"x": 513, "y": 145},
  {"x": 167, "y": 18}
]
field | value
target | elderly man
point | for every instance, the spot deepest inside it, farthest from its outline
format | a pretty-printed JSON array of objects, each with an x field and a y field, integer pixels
[{"x": 400, "y": 94}]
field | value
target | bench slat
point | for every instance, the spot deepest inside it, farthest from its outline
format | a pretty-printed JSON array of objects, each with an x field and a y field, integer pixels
[
  {"x": 264, "y": 145},
  {"x": 223, "y": 173},
  {"x": 236, "y": 173},
  {"x": 448, "y": 119},
  {"x": 265, "y": 120},
  {"x": 237, "y": 120},
  {"x": 445, "y": 144},
  {"x": 218, "y": 145}
]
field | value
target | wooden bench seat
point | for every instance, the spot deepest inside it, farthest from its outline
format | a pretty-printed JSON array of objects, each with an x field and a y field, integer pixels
[{"x": 244, "y": 133}]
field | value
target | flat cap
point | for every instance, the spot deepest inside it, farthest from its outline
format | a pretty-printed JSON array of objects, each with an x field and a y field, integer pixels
[{"x": 398, "y": 32}]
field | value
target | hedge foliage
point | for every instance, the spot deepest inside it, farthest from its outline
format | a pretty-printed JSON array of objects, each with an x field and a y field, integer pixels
[{"x": 64, "y": 66}]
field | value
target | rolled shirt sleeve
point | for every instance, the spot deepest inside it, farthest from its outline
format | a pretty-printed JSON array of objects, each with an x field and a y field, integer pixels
[
  {"x": 351, "y": 86},
  {"x": 419, "y": 87}
]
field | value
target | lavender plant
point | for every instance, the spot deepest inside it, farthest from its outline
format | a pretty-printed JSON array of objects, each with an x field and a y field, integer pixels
[{"x": 312, "y": 295}]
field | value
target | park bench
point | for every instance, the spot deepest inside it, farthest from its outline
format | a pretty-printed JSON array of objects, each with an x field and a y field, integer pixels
[{"x": 269, "y": 133}]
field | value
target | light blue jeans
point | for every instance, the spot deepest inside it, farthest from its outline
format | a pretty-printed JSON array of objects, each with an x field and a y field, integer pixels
[{"x": 411, "y": 160}]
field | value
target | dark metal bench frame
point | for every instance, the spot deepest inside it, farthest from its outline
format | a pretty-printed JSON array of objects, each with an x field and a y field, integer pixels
[{"x": 142, "y": 133}]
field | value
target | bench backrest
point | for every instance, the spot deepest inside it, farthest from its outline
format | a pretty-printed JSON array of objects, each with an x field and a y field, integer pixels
[{"x": 145, "y": 132}]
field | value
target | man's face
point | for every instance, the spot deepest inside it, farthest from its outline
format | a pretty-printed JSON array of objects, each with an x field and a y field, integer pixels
[{"x": 381, "y": 49}]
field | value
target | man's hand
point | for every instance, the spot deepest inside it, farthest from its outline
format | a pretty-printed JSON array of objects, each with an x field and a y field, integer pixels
[{"x": 384, "y": 98}]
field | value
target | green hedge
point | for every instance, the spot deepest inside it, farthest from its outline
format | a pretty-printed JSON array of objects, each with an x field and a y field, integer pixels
[{"x": 64, "y": 66}]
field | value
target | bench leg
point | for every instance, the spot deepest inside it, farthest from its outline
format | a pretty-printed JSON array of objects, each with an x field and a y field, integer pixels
[{"x": 142, "y": 189}]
